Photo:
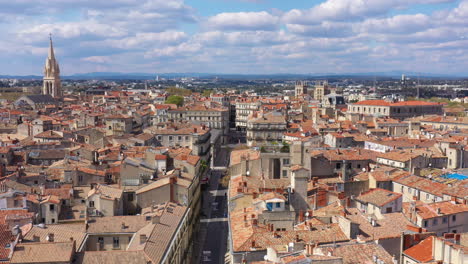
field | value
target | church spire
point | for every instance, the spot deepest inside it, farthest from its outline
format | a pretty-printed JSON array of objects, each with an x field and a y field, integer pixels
[
  {"x": 51, "y": 55},
  {"x": 52, "y": 85}
]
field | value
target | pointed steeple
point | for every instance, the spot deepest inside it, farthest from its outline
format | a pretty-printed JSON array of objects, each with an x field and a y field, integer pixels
[
  {"x": 51, "y": 55},
  {"x": 52, "y": 84}
]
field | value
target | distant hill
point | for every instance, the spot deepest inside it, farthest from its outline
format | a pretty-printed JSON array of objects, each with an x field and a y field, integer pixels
[{"x": 279, "y": 76}]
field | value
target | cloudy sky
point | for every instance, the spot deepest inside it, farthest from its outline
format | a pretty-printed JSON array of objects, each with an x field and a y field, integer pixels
[{"x": 235, "y": 36}]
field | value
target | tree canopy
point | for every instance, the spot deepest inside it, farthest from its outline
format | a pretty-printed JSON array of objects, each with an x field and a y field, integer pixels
[
  {"x": 178, "y": 91},
  {"x": 175, "y": 99}
]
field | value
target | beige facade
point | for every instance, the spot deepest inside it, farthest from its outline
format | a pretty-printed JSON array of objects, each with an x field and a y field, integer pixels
[
  {"x": 321, "y": 88},
  {"x": 245, "y": 108},
  {"x": 264, "y": 128},
  {"x": 394, "y": 109},
  {"x": 118, "y": 125}
]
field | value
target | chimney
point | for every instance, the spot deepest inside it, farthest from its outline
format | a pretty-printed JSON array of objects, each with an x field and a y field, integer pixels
[
  {"x": 253, "y": 243},
  {"x": 297, "y": 238},
  {"x": 123, "y": 225},
  {"x": 50, "y": 237},
  {"x": 155, "y": 219},
  {"x": 254, "y": 222},
  {"x": 16, "y": 230}
]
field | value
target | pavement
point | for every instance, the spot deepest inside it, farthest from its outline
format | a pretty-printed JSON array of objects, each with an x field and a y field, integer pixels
[{"x": 213, "y": 223}]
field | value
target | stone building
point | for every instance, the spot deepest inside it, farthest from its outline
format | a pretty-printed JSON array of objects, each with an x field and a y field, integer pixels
[
  {"x": 392, "y": 109},
  {"x": 52, "y": 85},
  {"x": 265, "y": 127}
]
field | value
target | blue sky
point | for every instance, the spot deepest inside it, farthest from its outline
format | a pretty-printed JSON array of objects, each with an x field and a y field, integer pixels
[{"x": 236, "y": 36}]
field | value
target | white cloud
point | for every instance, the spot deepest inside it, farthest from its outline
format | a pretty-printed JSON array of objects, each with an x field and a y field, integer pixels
[
  {"x": 243, "y": 21},
  {"x": 346, "y": 10},
  {"x": 400, "y": 24}
]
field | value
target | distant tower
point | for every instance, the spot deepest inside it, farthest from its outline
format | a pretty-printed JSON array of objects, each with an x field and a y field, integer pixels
[
  {"x": 52, "y": 84},
  {"x": 321, "y": 88},
  {"x": 301, "y": 88}
]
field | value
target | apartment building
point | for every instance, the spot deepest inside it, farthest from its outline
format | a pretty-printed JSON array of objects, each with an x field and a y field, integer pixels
[{"x": 402, "y": 109}]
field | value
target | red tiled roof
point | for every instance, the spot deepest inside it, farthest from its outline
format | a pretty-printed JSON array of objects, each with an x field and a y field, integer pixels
[{"x": 421, "y": 252}]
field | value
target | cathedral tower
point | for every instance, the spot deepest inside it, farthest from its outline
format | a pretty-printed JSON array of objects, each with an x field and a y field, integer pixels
[
  {"x": 301, "y": 88},
  {"x": 52, "y": 84}
]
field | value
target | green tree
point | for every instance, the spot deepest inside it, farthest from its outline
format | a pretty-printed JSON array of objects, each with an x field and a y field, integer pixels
[
  {"x": 207, "y": 93},
  {"x": 175, "y": 99},
  {"x": 178, "y": 91}
]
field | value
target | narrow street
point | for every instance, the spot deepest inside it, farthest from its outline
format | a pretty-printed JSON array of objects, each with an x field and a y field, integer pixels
[{"x": 214, "y": 224}]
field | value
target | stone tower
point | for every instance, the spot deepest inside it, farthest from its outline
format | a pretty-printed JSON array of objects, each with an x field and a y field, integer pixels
[
  {"x": 321, "y": 89},
  {"x": 301, "y": 88},
  {"x": 52, "y": 85}
]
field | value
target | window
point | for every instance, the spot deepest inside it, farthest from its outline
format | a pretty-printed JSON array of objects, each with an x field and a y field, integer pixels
[
  {"x": 100, "y": 240},
  {"x": 427, "y": 196},
  {"x": 285, "y": 161},
  {"x": 435, "y": 222},
  {"x": 179, "y": 138},
  {"x": 91, "y": 203},
  {"x": 80, "y": 178},
  {"x": 130, "y": 197},
  {"x": 285, "y": 173},
  {"x": 425, "y": 223},
  {"x": 110, "y": 127},
  {"x": 51, "y": 207},
  {"x": 278, "y": 205},
  {"x": 454, "y": 218},
  {"x": 338, "y": 165},
  {"x": 444, "y": 220},
  {"x": 116, "y": 242},
  {"x": 170, "y": 138}
]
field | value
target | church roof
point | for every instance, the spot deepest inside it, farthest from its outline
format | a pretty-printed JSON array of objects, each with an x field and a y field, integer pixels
[{"x": 40, "y": 98}]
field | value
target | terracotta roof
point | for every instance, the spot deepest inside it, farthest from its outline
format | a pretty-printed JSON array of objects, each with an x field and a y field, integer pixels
[
  {"x": 359, "y": 253},
  {"x": 106, "y": 192},
  {"x": 34, "y": 252},
  {"x": 49, "y": 134},
  {"x": 390, "y": 226},
  {"x": 116, "y": 224},
  {"x": 91, "y": 171},
  {"x": 154, "y": 185},
  {"x": 421, "y": 252},
  {"x": 114, "y": 256},
  {"x": 427, "y": 211},
  {"x": 6, "y": 237},
  {"x": 344, "y": 154},
  {"x": 378, "y": 197},
  {"x": 62, "y": 233},
  {"x": 249, "y": 154},
  {"x": 163, "y": 233},
  {"x": 422, "y": 184}
]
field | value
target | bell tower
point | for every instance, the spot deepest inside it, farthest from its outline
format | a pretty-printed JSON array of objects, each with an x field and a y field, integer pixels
[{"x": 52, "y": 85}]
